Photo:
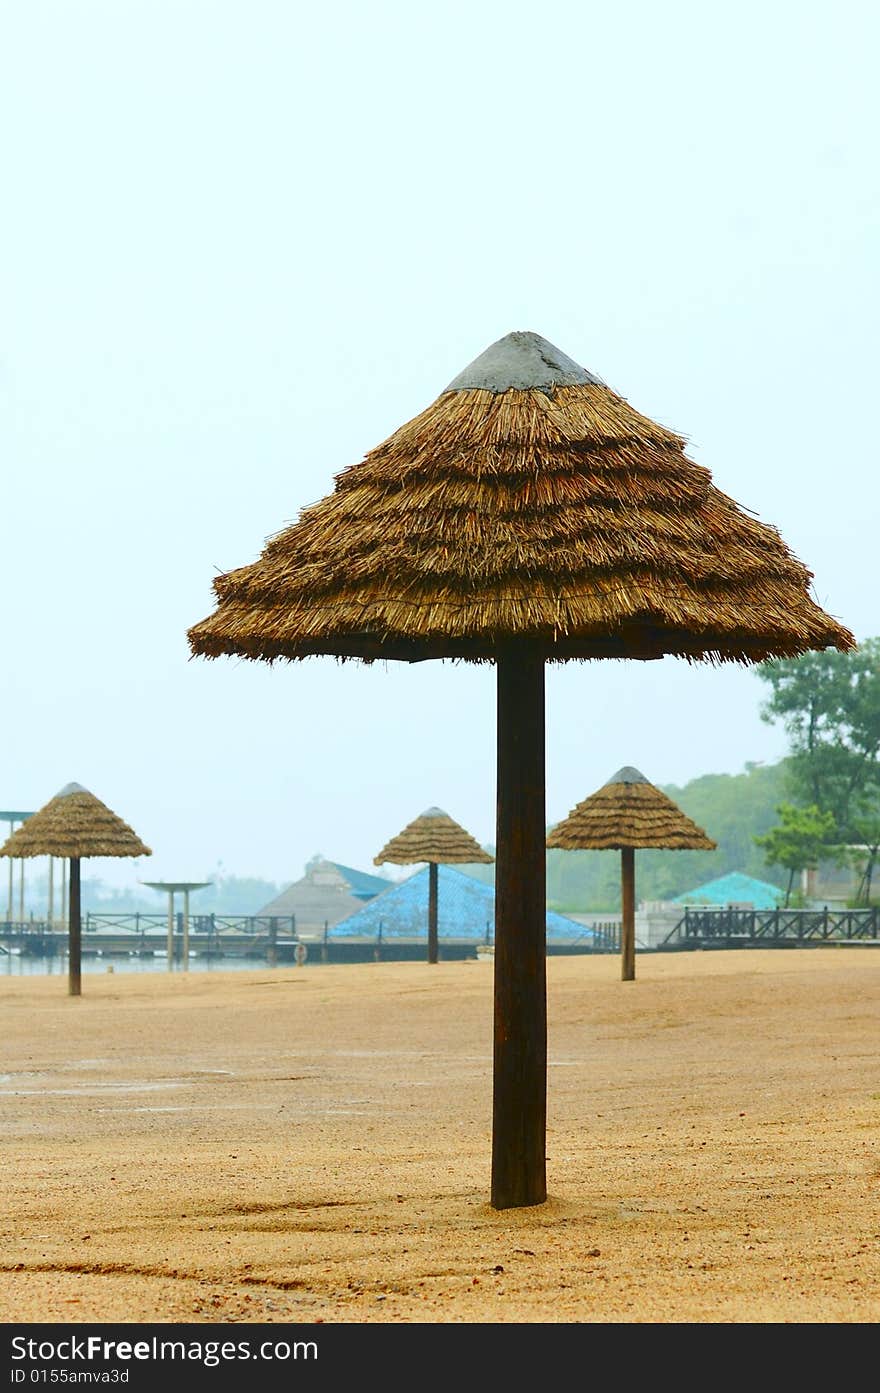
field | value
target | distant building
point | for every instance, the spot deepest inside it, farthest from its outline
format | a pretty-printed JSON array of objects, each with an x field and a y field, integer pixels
[
  {"x": 327, "y": 893},
  {"x": 734, "y": 891},
  {"x": 834, "y": 885},
  {"x": 465, "y": 910}
]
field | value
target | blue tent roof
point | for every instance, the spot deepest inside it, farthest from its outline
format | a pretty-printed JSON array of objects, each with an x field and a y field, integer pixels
[
  {"x": 363, "y": 885},
  {"x": 465, "y": 910},
  {"x": 735, "y": 888}
]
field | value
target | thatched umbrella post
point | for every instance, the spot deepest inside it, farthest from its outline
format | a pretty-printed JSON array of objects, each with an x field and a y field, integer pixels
[
  {"x": 519, "y": 1097},
  {"x": 74, "y": 931},
  {"x": 625, "y": 813},
  {"x": 628, "y": 913},
  {"x": 528, "y": 515},
  {"x": 433, "y": 936},
  {"x": 72, "y": 825},
  {"x": 433, "y": 837}
]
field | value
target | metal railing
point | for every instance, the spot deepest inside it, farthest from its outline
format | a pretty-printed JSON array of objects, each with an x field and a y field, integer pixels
[
  {"x": 600, "y": 937},
  {"x": 136, "y": 925},
  {"x": 769, "y": 926}
]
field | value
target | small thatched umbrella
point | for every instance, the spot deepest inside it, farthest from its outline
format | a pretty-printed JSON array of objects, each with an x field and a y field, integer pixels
[
  {"x": 74, "y": 824},
  {"x": 437, "y": 838},
  {"x": 528, "y": 515},
  {"x": 625, "y": 813}
]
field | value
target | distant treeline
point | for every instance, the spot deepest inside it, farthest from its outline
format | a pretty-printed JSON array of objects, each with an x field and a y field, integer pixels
[{"x": 730, "y": 808}]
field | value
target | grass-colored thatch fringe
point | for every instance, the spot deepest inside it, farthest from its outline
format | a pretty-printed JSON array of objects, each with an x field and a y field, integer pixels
[
  {"x": 563, "y": 515},
  {"x": 628, "y": 815},
  {"x": 74, "y": 824},
  {"x": 433, "y": 836}
]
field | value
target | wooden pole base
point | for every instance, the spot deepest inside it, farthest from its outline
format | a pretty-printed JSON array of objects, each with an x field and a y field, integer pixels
[
  {"x": 519, "y": 1113},
  {"x": 433, "y": 945},
  {"x": 74, "y": 931},
  {"x": 628, "y": 914}
]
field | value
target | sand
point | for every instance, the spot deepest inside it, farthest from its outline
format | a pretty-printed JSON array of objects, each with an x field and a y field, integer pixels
[{"x": 313, "y": 1144}]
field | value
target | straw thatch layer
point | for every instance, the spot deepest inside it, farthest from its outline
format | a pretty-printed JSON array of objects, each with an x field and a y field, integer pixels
[
  {"x": 433, "y": 836},
  {"x": 553, "y": 512},
  {"x": 628, "y": 811},
  {"x": 74, "y": 824}
]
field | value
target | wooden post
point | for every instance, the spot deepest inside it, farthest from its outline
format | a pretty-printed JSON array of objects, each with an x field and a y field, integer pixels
[
  {"x": 51, "y": 914},
  {"x": 169, "y": 937},
  {"x": 63, "y": 892},
  {"x": 519, "y": 1112},
  {"x": 21, "y": 889},
  {"x": 432, "y": 912},
  {"x": 74, "y": 932},
  {"x": 628, "y": 914}
]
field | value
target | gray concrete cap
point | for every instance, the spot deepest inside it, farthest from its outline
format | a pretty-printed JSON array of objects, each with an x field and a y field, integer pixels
[
  {"x": 434, "y": 812},
  {"x": 521, "y": 360},
  {"x": 71, "y": 788},
  {"x": 626, "y": 775}
]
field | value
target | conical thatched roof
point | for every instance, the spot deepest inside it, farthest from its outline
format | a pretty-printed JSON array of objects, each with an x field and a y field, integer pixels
[
  {"x": 433, "y": 836},
  {"x": 529, "y": 500},
  {"x": 73, "y": 824},
  {"x": 628, "y": 811}
]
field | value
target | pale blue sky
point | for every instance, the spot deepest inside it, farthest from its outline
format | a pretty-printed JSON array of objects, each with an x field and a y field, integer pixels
[{"x": 243, "y": 241}]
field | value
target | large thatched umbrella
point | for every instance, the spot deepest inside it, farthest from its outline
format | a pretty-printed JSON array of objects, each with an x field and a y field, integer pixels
[
  {"x": 74, "y": 824},
  {"x": 437, "y": 838},
  {"x": 528, "y": 515},
  {"x": 625, "y": 813}
]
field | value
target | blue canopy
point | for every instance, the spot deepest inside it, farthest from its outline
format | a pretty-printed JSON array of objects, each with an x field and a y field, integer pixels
[
  {"x": 465, "y": 910},
  {"x": 734, "y": 888}
]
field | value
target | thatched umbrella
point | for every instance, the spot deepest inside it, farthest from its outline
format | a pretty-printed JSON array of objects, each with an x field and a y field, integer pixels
[
  {"x": 437, "y": 838},
  {"x": 625, "y": 813},
  {"x": 74, "y": 824},
  {"x": 528, "y": 515}
]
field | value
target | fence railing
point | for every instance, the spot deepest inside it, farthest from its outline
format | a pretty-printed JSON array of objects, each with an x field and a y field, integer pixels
[
  {"x": 257, "y": 924},
  {"x": 604, "y": 937},
  {"x": 136, "y": 924},
  {"x": 601, "y": 937},
  {"x": 777, "y": 925}
]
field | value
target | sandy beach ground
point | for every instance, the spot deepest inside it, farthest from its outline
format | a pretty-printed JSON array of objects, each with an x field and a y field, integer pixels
[{"x": 313, "y": 1144}]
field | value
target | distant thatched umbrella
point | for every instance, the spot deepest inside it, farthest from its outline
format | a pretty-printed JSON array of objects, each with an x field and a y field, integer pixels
[
  {"x": 625, "y": 813},
  {"x": 528, "y": 515},
  {"x": 437, "y": 838},
  {"x": 74, "y": 824}
]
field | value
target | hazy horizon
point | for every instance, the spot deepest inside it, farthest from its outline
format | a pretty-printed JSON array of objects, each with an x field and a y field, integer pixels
[{"x": 244, "y": 243}]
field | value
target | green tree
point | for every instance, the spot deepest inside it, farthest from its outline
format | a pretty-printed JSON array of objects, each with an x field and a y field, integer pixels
[
  {"x": 863, "y": 856},
  {"x": 798, "y": 841},
  {"x": 829, "y": 705}
]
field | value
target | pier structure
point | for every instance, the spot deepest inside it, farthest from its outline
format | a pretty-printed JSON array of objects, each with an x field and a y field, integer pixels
[
  {"x": 172, "y": 887},
  {"x": 13, "y": 817}
]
